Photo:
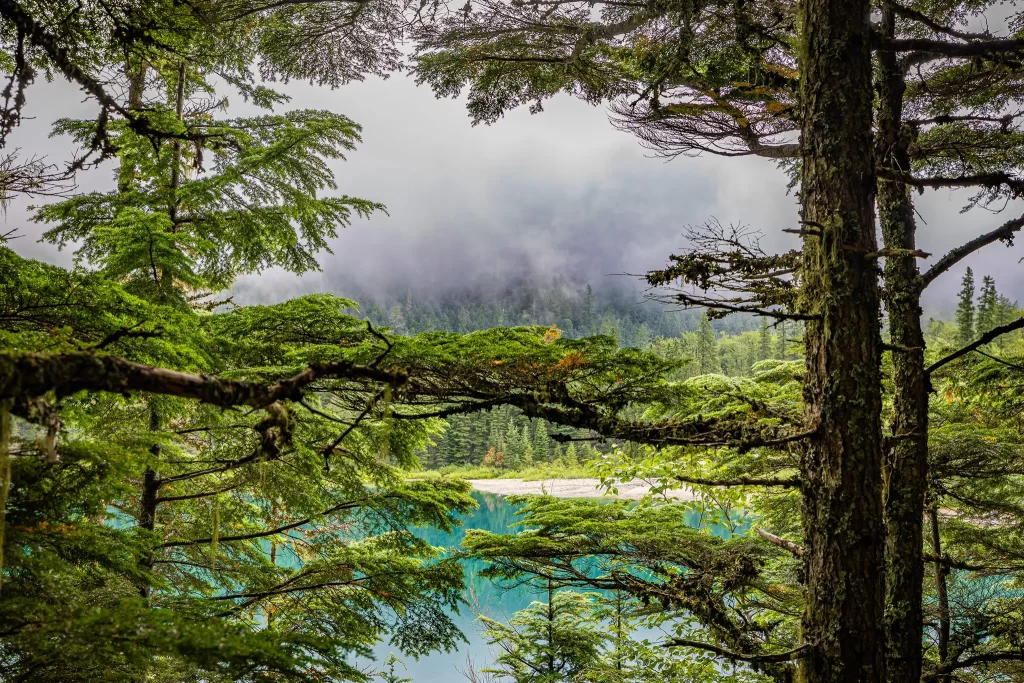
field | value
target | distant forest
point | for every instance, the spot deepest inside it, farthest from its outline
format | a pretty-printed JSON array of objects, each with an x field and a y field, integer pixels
[{"x": 504, "y": 438}]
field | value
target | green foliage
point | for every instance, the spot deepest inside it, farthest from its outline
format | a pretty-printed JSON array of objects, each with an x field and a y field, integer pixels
[
  {"x": 560, "y": 640},
  {"x": 176, "y": 233},
  {"x": 965, "y": 310}
]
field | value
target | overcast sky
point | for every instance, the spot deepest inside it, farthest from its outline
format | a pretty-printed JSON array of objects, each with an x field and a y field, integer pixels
[{"x": 557, "y": 192}]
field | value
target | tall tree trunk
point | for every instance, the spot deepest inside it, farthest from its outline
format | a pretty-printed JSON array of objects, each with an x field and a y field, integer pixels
[
  {"x": 150, "y": 492},
  {"x": 906, "y": 461},
  {"x": 136, "y": 89},
  {"x": 179, "y": 108},
  {"x": 842, "y": 466},
  {"x": 941, "y": 591}
]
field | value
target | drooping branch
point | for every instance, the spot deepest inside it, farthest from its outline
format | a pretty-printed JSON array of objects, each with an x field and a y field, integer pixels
[
  {"x": 347, "y": 505},
  {"x": 788, "y": 656},
  {"x": 989, "y": 336},
  {"x": 983, "y": 658},
  {"x": 62, "y": 58},
  {"x": 1004, "y": 232},
  {"x": 727, "y": 271},
  {"x": 914, "y": 15}
]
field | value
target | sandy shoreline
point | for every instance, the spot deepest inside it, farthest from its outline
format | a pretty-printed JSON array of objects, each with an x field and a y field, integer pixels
[{"x": 568, "y": 488}]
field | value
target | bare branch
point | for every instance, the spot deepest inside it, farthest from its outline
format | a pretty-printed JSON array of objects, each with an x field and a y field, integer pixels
[
  {"x": 1004, "y": 232},
  {"x": 797, "y": 550}
]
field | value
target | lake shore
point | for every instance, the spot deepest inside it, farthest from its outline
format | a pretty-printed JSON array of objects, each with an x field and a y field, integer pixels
[{"x": 569, "y": 488}]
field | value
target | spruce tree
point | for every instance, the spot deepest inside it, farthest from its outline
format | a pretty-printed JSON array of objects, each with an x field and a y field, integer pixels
[
  {"x": 782, "y": 340},
  {"x": 513, "y": 447},
  {"x": 556, "y": 641},
  {"x": 541, "y": 443},
  {"x": 965, "y": 310},
  {"x": 571, "y": 456},
  {"x": 707, "y": 347},
  {"x": 764, "y": 341},
  {"x": 525, "y": 450},
  {"x": 988, "y": 305}
]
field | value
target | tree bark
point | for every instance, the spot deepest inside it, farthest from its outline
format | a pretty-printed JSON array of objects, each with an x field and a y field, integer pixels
[
  {"x": 941, "y": 591},
  {"x": 148, "y": 500},
  {"x": 136, "y": 90},
  {"x": 905, "y": 464},
  {"x": 842, "y": 509}
]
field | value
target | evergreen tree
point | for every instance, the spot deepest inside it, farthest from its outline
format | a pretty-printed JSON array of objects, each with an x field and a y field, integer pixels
[
  {"x": 553, "y": 642},
  {"x": 782, "y": 340},
  {"x": 571, "y": 456},
  {"x": 988, "y": 305},
  {"x": 643, "y": 337},
  {"x": 707, "y": 347},
  {"x": 588, "y": 310},
  {"x": 764, "y": 341},
  {"x": 541, "y": 443},
  {"x": 513, "y": 447},
  {"x": 558, "y": 454},
  {"x": 965, "y": 310},
  {"x": 525, "y": 449}
]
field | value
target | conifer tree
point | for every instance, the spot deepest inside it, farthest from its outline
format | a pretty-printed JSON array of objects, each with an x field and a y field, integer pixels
[
  {"x": 541, "y": 443},
  {"x": 782, "y": 340},
  {"x": 965, "y": 309},
  {"x": 513, "y": 447},
  {"x": 764, "y": 341},
  {"x": 988, "y": 305},
  {"x": 552, "y": 642},
  {"x": 707, "y": 347},
  {"x": 571, "y": 457},
  {"x": 525, "y": 450}
]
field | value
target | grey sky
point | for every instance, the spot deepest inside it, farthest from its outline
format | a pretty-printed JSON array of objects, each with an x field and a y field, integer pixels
[{"x": 557, "y": 192}]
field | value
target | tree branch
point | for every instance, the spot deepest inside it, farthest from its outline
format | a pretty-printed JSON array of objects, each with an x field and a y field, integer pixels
[
  {"x": 34, "y": 374},
  {"x": 788, "y": 656},
  {"x": 980, "y": 341},
  {"x": 792, "y": 547},
  {"x": 988, "y": 180},
  {"x": 945, "y": 48},
  {"x": 347, "y": 505},
  {"x": 914, "y": 15},
  {"x": 984, "y": 658},
  {"x": 1004, "y": 232},
  {"x": 739, "y": 481}
]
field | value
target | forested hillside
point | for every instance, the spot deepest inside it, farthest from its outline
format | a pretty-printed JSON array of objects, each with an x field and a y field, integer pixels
[{"x": 505, "y": 439}]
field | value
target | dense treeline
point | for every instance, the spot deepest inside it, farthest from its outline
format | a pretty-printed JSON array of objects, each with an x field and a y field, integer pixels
[{"x": 577, "y": 309}]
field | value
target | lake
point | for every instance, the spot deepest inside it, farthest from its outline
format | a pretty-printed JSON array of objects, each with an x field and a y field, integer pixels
[{"x": 494, "y": 514}]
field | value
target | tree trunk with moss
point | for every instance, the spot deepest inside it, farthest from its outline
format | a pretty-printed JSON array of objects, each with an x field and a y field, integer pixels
[
  {"x": 842, "y": 463},
  {"x": 905, "y": 464}
]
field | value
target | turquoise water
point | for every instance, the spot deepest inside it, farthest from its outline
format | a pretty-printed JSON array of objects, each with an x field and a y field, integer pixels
[
  {"x": 493, "y": 514},
  {"x": 498, "y": 515}
]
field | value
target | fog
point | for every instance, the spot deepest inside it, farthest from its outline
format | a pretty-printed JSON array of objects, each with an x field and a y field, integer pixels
[{"x": 533, "y": 196}]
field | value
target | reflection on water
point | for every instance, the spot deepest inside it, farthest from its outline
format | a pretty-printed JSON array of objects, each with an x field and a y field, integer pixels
[{"x": 494, "y": 514}]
